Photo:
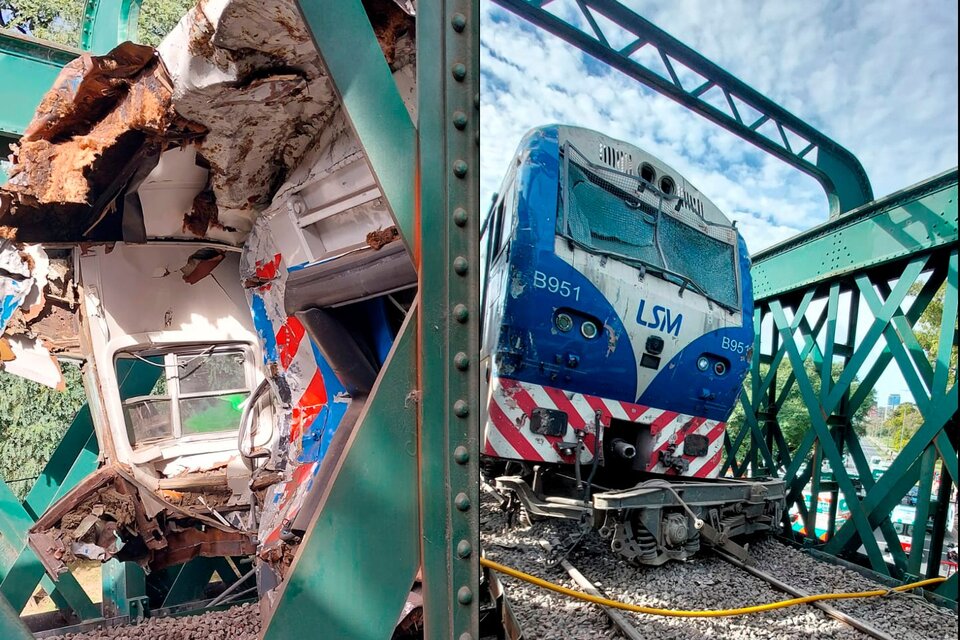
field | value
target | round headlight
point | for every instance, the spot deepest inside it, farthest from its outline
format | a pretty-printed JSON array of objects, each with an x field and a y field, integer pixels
[
  {"x": 564, "y": 322},
  {"x": 589, "y": 330},
  {"x": 703, "y": 364},
  {"x": 719, "y": 368}
]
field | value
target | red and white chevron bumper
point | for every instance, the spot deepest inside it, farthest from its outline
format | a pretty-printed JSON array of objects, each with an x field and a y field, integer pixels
[{"x": 507, "y": 433}]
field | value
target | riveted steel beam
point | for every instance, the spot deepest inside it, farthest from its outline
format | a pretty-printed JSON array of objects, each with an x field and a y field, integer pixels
[
  {"x": 907, "y": 223},
  {"x": 771, "y": 127},
  {"x": 448, "y": 83}
]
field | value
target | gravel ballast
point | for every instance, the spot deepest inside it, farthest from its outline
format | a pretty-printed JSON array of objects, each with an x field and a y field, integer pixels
[
  {"x": 241, "y": 622},
  {"x": 707, "y": 582}
]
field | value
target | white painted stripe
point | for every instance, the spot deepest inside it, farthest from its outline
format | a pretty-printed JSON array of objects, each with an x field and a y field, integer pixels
[
  {"x": 712, "y": 450},
  {"x": 500, "y": 444}
]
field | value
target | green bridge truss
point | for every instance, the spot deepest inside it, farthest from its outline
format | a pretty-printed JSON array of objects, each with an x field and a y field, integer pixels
[{"x": 421, "y": 509}]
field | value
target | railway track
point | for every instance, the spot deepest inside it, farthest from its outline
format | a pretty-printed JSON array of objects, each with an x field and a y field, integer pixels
[
  {"x": 707, "y": 582},
  {"x": 630, "y": 631}
]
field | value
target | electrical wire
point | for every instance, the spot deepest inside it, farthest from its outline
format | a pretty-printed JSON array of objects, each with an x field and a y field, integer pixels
[{"x": 709, "y": 613}]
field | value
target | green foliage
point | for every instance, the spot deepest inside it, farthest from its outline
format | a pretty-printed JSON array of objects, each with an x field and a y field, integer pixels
[
  {"x": 927, "y": 330},
  {"x": 158, "y": 17},
  {"x": 55, "y": 20},
  {"x": 793, "y": 416},
  {"x": 33, "y": 419},
  {"x": 61, "y": 21},
  {"x": 904, "y": 421}
]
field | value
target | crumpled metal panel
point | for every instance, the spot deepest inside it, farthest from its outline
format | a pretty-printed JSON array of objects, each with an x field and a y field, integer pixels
[
  {"x": 24, "y": 273},
  {"x": 312, "y": 401},
  {"x": 247, "y": 71},
  {"x": 102, "y": 118}
]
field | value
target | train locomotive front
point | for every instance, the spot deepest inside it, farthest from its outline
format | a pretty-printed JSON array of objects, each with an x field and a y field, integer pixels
[{"x": 617, "y": 332}]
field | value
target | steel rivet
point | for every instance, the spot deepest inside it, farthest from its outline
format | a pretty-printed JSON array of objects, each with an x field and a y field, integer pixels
[
  {"x": 459, "y": 22},
  {"x": 461, "y": 408},
  {"x": 461, "y": 313},
  {"x": 461, "y": 455},
  {"x": 460, "y": 216},
  {"x": 464, "y": 549},
  {"x": 459, "y": 120},
  {"x": 460, "y": 168},
  {"x": 464, "y": 595},
  {"x": 462, "y": 502},
  {"x": 460, "y": 265},
  {"x": 461, "y": 361},
  {"x": 459, "y": 71}
]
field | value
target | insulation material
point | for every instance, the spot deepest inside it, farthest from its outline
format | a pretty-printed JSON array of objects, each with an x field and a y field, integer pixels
[
  {"x": 102, "y": 118},
  {"x": 248, "y": 72}
]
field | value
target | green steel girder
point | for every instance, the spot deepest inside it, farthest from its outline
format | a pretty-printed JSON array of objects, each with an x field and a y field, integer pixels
[
  {"x": 719, "y": 96},
  {"x": 29, "y": 66},
  {"x": 74, "y": 459},
  {"x": 889, "y": 325},
  {"x": 917, "y": 219},
  {"x": 11, "y": 627},
  {"x": 359, "y": 557},
  {"x": 370, "y": 98},
  {"x": 448, "y": 87},
  {"x": 107, "y": 23}
]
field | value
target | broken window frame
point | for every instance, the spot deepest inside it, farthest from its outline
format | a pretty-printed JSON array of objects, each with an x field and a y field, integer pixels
[{"x": 171, "y": 355}]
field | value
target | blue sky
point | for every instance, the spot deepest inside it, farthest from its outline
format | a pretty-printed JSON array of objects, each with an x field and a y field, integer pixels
[{"x": 879, "y": 77}]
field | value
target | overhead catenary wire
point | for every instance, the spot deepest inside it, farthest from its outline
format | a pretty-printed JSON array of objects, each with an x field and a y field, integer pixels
[{"x": 707, "y": 613}]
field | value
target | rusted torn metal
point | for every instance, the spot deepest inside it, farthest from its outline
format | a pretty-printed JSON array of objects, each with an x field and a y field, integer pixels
[
  {"x": 102, "y": 118},
  {"x": 106, "y": 516}
]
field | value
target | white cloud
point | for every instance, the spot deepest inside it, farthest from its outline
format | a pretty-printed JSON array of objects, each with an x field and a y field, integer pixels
[{"x": 880, "y": 78}]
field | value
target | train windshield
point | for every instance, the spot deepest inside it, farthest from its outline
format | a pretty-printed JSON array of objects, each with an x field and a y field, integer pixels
[{"x": 617, "y": 214}]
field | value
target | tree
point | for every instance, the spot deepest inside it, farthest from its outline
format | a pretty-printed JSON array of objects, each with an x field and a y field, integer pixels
[
  {"x": 60, "y": 21},
  {"x": 33, "y": 419},
  {"x": 900, "y": 425},
  {"x": 927, "y": 330},
  {"x": 793, "y": 416}
]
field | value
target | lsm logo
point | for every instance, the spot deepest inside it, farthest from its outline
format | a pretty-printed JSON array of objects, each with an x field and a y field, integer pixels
[{"x": 662, "y": 319}]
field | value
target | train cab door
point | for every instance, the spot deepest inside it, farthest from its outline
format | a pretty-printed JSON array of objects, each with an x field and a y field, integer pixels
[{"x": 497, "y": 232}]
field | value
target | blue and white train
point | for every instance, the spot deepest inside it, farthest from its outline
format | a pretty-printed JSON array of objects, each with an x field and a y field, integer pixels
[{"x": 618, "y": 329}]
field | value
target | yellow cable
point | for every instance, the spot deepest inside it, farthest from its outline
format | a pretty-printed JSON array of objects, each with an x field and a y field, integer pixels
[{"x": 715, "y": 613}]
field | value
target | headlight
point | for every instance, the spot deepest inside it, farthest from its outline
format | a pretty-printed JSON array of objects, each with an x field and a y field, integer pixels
[
  {"x": 719, "y": 368},
  {"x": 589, "y": 330},
  {"x": 564, "y": 322},
  {"x": 703, "y": 363}
]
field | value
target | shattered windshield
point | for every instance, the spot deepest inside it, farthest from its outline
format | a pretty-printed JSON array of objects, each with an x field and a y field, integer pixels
[
  {"x": 195, "y": 393},
  {"x": 620, "y": 215}
]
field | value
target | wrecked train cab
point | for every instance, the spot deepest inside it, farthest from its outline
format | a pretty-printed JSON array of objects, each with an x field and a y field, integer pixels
[
  {"x": 172, "y": 364},
  {"x": 237, "y": 281}
]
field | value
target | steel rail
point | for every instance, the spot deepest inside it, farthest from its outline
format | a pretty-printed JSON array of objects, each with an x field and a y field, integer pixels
[
  {"x": 617, "y": 618},
  {"x": 831, "y": 611}
]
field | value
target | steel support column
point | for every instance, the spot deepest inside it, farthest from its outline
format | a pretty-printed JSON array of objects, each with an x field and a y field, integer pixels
[{"x": 448, "y": 84}]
